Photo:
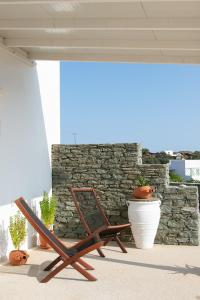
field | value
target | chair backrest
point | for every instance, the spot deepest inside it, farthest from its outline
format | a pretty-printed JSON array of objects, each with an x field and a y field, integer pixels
[
  {"x": 89, "y": 208},
  {"x": 37, "y": 224}
]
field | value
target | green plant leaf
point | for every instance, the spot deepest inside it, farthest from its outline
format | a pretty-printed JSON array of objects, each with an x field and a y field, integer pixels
[
  {"x": 17, "y": 230},
  {"x": 175, "y": 177},
  {"x": 141, "y": 181},
  {"x": 48, "y": 209}
]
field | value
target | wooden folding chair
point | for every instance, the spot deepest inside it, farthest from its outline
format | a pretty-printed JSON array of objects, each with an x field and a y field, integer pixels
[
  {"x": 94, "y": 219},
  {"x": 68, "y": 256}
]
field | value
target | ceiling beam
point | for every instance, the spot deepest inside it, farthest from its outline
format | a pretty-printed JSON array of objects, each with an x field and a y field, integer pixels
[
  {"x": 114, "y": 58},
  {"x": 18, "y": 53},
  {"x": 28, "y": 2},
  {"x": 103, "y": 44},
  {"x": 101, "y": 24}
]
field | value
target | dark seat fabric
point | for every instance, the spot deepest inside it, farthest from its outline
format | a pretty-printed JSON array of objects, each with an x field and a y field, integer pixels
[
  {"x": 66, "y": 255},
  {"x": 69, "y": 251},
  {"x": 93, "y": 217}
]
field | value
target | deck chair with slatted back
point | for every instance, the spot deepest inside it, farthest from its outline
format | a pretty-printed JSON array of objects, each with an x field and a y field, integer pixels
[
  {"x": 67, "y": 255},
  {"x": 94, "y": 219}
]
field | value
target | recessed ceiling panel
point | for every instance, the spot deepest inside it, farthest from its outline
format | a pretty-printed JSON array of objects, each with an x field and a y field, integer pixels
[
  {"x": 172, "y": 9},
  {"x": 96, "y": 10},
  {"x": 22, "y": 11}
]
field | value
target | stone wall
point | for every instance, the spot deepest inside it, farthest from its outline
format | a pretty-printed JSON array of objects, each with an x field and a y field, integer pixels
[
  {"x": 112, "y": 170},
  {"x": 190, "y": 184},
  {"x": 179, "y": 222}
]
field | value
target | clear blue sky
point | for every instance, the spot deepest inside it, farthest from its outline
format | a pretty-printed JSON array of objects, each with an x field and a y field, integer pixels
[{"x": 155, "y": 105}]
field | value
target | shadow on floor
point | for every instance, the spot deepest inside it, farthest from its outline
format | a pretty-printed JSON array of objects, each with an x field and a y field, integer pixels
[
  {"x": 32, "y": 270},
  {"x": 174, "y": 269}
]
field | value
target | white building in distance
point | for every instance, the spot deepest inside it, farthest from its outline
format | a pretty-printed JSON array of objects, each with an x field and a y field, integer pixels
[
  {"x": 177, "y": 155},
  {"x": 169, "y": 152},
  {"x": 188, "y": 169}
]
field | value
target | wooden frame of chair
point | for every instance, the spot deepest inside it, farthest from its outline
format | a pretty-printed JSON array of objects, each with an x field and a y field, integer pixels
[
  {"x": 112, "y": 229},
  {"x": 81, "y": 248}
]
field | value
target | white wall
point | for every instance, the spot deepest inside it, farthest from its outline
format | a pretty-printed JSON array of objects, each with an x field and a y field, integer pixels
[
  {"x": 192, "y": 167},
  {"x": 178, "y": 166},
  {"x": 188, "y": 169},
  {"x": 49, "y": 83},
  {"x": 29, "y": 124}
]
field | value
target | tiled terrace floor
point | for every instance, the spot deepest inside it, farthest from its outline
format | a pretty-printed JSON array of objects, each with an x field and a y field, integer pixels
[{"x": 164, "y": 272}]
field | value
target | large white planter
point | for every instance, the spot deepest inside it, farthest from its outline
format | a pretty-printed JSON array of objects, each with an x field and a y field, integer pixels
[{"x": 144, "y": 217}]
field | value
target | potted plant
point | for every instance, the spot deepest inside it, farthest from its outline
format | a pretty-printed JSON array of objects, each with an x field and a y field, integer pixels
[
  {"x": 48, "y": 210},
  {"x": 17, "y": 229},
  {"x": 144, "y": 214},
  {"x": 143, "y": 189}
]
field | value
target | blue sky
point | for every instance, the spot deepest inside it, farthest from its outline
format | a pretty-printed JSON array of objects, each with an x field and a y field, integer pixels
[{"x": 155, "y": 105}]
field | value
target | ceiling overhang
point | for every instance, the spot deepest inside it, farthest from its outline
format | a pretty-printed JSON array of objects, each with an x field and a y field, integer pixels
[{"x": 159, "y": 31}]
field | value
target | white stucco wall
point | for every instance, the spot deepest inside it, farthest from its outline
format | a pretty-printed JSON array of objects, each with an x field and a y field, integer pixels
[
  {"x": 29, "y": 124},
  {"x": 192, "y": 167},
  {"x": 178, "y": 166},
  {"x": 188, "y": 169}
]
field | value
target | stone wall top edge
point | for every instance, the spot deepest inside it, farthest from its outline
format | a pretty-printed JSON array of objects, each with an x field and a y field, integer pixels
[
  {"x": 154, "y": 166},
  {"x": 183, "y": 187},
  {"x": 106, "y": 144}
]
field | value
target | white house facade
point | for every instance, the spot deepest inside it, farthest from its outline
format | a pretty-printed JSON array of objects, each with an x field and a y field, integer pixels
[{"x": 188, "y": 169}]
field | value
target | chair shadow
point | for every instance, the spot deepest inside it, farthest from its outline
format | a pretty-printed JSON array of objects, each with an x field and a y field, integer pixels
[
  {"x": 32, "y": 270},
  {"x": 173, "y": 269},
  {"x": 118, "y": 250}
]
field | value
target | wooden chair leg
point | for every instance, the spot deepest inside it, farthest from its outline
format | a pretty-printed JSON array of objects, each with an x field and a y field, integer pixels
[
  {"x": 80, "y": 261},
  {"x": 120, "y": 244},
  {"x": 84, "y": 264},
  {"x": 101, "y": 253},
  {"x": 84, "y": 272},
  {"x": 53, "y": 263},
  {"x": 62, "y": 266},
  {"x": 54, "y": 272}
]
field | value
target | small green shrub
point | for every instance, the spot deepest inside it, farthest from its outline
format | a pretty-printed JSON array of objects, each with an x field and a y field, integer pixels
[
  {"x": 175, "y": 177},
  {"x": 48, "y": 209},
  {"x": 142, "y": 181},
  {"x": 17, "y": 230}
]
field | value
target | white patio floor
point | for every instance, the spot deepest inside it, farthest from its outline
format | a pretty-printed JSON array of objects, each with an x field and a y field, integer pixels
[{"x": 164, "y": 272}]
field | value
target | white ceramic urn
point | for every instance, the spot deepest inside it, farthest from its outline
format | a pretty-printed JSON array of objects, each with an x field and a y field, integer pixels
[{"x": 144, "y": 217}]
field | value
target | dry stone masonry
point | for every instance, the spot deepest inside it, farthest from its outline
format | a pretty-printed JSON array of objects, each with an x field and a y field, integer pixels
[{"x": 112, "y": 170}]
